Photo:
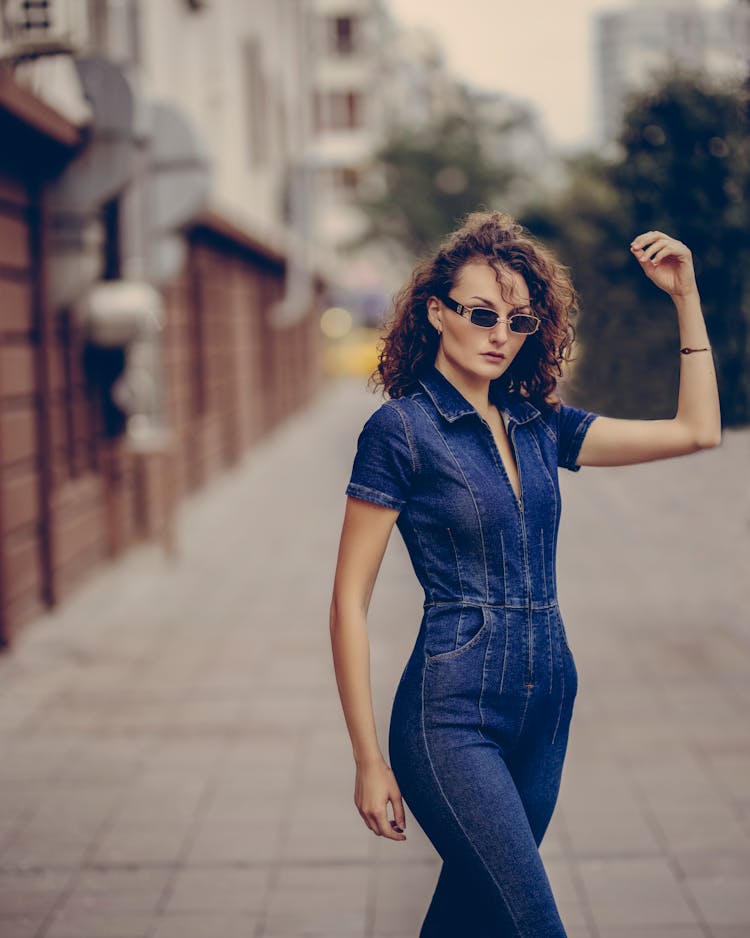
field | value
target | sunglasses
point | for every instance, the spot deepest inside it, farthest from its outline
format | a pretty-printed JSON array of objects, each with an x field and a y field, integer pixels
[{"x": 522, "y": 323}]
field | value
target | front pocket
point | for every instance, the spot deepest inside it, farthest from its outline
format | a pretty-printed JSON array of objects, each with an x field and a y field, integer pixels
[{"x": 453, "y": 630}]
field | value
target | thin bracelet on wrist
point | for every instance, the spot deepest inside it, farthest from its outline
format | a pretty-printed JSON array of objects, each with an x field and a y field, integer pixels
[{"x": 687, "y": 351}]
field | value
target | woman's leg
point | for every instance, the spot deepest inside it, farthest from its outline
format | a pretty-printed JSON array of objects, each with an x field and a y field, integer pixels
[
  {"x": 485, "y": 815},
  {"x": 464, "y": 798},
  {"x": 536, "y": 767},
  {"x": 457, "y": 907}
]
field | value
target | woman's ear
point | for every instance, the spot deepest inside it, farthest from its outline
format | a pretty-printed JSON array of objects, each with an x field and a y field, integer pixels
[{"x": 434, "y": 313}]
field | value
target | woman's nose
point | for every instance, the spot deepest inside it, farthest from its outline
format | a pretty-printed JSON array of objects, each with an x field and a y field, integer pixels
[{"x": 500, "y": 330}]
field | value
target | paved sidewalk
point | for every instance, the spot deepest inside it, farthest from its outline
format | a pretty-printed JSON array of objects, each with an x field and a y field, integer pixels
[{"x": 175, "y": 762}]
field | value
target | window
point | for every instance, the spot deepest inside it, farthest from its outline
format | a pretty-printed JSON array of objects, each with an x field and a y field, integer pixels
[
  {"x": 110, "y": 216},
  {"x": 339, "y": 110},
  {"x": 257, "y": 103},
  {"x": 346, "y": 178},
  {"x": 343, "y": 36}
]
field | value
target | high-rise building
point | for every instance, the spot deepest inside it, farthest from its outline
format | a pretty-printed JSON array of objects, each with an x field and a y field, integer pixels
[
  {"x": 648, "y": 36},
  {"x": 373, "y": 76}
]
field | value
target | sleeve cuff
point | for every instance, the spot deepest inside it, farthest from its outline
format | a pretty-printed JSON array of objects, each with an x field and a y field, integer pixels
[
  {"x": 372, "y": 495},
  {"x": 577, "y": 441}
]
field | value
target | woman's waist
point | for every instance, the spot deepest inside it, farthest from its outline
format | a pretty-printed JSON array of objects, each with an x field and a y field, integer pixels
[{"x": 508, "y": 602}]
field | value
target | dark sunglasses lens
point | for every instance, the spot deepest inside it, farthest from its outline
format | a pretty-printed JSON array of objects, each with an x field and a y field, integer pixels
[
  {"x": 524, "y": 324},
  {"x": 483, "y": 317}
]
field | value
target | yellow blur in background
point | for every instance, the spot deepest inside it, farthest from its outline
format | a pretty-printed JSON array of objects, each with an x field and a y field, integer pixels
[{"x": 350, "y": 349}]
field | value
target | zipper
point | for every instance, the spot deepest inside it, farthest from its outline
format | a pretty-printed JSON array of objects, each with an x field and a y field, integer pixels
[
  {"x": 522, "y": 521},
  {"x": 518, "y": 499},
  {"x": 529, "y": 668}
]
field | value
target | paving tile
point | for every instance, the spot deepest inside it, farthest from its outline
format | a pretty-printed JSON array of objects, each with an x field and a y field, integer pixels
[
  {"x": 402, "y": 897},
  {"x": 318, "y": 902},
  {"x": 42, "y": 850},
  {"x": 99, "y": 923},
  {"x": 27, "y": 925},
  {"x": 224, "y": 842},
  {"x": 634, "y": 892},
  {"x": 218, "y": 890},
  {"x": 708, "y": 826},
  {"x": 620, "y": 830},
  {"x": 218, "y": 924},
  {"x": 567, "y": 898},
  {"x": 29, "y": 892},
  {"x": 722, "y": 898},
  {"x": 651, "y": 931},
  {"x": 34, "y": 759},
  {"x": 141, "y": 843},
  {"x": 700, "y": 862},
  {"x": 116, "y": 890}
]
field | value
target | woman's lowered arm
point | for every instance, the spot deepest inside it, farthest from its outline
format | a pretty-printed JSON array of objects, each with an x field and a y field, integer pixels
[{"x": 364, "y": 537}]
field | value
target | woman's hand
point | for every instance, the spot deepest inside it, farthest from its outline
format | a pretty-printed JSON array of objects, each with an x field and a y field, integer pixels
[
  {"x": 374, "y": 787},
  {"x": 666, "y": 261}
]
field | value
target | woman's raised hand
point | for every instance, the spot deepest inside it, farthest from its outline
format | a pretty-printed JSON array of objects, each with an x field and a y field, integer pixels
[
  {"x": 666, "y": 261},
  {"x": 374, "y": 787}
]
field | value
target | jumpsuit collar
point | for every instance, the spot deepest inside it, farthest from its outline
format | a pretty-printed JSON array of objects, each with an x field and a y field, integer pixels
[{"x": 452, "y": 404}]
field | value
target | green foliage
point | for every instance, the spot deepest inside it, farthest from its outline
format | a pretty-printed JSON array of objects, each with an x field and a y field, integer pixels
[
  {"x": 433, "y": 177},
  {"x": 684, "y": 169}
]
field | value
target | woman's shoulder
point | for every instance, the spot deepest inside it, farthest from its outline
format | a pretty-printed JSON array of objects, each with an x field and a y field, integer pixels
[
  {"x": 405, "y": 408},
  {"x": 388, "y": 419},
  {"x": 399, "y": 420}
]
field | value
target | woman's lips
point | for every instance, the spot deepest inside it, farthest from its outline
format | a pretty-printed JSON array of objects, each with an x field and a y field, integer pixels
[{"x": 494, "y": 356}]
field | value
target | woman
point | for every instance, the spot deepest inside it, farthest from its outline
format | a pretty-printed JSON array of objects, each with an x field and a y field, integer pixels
[{"x": 463, "y": 457}]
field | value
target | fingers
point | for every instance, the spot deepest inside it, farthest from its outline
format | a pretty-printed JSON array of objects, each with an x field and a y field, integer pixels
[
  {"x": 398, "y": 812},
  {"x": 649, "y": 253},
  {"x": 646, "y": 238},
  {"x": 666, "y": 251},
  {"x": 379, "y": 823},
  {"x": 654, "y": 246},
  {"x": 375, "y": 788}
]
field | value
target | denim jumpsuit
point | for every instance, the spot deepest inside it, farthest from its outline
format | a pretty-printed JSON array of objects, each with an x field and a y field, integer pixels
[{"x": 479, "y": 723}]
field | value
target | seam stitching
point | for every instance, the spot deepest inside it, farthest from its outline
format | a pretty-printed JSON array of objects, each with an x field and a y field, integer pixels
[
  {"x": 387, "y": 500},
  {"x": 453, "y": 812},
  {"x": 476, "y": 507},
  {"x": 409, "y": 439}
]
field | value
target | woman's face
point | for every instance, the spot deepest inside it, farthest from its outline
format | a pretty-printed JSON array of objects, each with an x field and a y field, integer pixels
[{"x": 484, "y": 353}]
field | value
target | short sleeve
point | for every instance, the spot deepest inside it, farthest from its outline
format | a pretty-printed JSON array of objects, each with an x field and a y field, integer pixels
[
  {"x": 384, "y": 467},
  {"x": 573, "y": 422}
]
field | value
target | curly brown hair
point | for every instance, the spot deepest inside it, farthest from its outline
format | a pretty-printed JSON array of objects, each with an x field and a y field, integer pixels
[{"x": 411, "y": 343}]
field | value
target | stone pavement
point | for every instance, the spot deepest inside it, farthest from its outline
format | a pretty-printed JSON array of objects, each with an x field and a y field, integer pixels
[{"x": 175, "y": 762}]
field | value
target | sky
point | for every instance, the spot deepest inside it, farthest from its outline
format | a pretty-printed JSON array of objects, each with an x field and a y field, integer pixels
[{"x": 539, "y": 50}]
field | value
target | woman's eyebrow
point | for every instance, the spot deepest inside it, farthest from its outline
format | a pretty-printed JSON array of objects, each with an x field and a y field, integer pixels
[{"x": 492, "y": 305}]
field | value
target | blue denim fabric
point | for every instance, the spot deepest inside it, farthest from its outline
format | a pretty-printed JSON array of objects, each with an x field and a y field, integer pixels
[{"x": 479, "y": 724}]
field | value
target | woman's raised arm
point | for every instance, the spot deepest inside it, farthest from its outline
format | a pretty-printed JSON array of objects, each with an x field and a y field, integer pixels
[
  {"x": 612, "y": 441},
  {"x": 364, "y": 536}
]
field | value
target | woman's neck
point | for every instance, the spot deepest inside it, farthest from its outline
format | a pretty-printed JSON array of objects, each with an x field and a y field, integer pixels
[{"x": 472, "y": 387}]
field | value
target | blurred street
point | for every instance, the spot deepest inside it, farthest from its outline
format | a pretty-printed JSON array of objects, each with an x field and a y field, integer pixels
[{"x": 175, "y": 762}]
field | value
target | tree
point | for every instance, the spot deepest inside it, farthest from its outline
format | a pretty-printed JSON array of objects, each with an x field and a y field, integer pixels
[
  {"x": 684, "y": 169},
  {"x": 431, "y": 178}
]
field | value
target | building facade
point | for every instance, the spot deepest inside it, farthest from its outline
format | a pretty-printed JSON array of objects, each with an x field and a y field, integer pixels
[
  {"x": 637, "y": 41},
  {"x": 150, "y": 333}
]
